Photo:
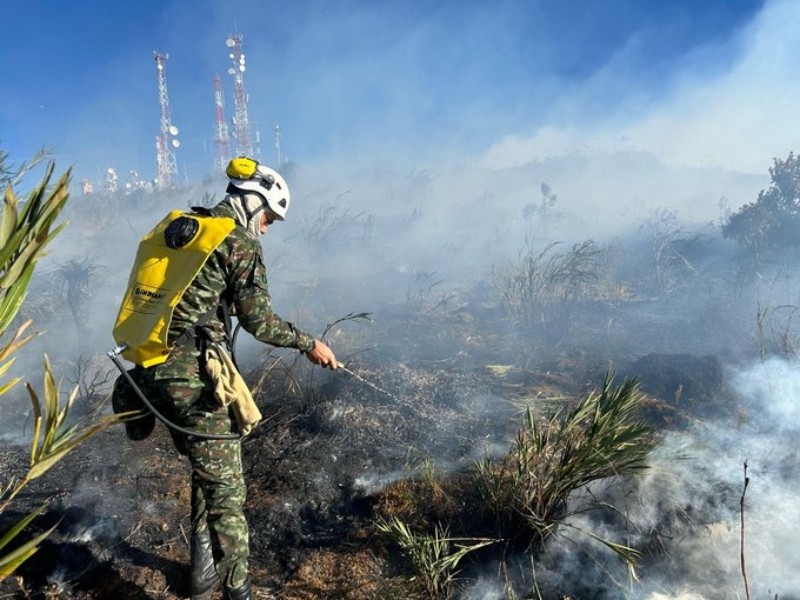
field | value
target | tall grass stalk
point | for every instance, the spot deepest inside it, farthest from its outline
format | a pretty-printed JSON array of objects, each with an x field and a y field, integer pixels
[{"x": 540, "y": 281}]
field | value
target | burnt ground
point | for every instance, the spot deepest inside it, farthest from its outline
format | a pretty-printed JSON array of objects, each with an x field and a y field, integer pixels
[{"x": 317, "y": 469}]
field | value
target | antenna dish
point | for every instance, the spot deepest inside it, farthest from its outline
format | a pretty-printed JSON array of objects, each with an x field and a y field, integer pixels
[
  {"x": 159, "y": 66},
  {"x": 230, "y": 55},
  {"x": 110, "y": 170},
  {"x": 176, "y": 143},
  {"x": 173, "y": 130},
  {"x": 231, "y": 71},
  {"x": 241, "y": 68},
  {"x": 229, "y": 43}
]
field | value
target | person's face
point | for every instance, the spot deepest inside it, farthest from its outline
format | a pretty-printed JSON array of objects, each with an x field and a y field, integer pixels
[{"x": 266, "y": 220}]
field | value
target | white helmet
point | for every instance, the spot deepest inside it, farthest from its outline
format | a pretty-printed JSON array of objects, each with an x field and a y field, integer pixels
[{"x": 247, "y": 175}]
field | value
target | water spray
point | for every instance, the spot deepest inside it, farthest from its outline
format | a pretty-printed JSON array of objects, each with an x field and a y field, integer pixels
[{"x": 364, "y": 381}]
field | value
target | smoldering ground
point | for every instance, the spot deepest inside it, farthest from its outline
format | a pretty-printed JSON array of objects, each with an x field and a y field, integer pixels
[
  {"x": 437, "y": 277},
  {"x": 552, "y": 248}
]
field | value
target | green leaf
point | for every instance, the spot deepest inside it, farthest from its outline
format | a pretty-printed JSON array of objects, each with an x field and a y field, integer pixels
[
  {"x": 17, "y": 341},
  {"x": 9, "y": 217},
  {"x": 19, "y": 526},
  {"x": 51, "y": 440},
  {"x": 11, "y": 561},
  {"x": 7, "y": 386}
]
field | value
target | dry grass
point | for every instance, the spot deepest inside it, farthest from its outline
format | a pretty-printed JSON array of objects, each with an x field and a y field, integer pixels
[{"x": 358, "y": 574}]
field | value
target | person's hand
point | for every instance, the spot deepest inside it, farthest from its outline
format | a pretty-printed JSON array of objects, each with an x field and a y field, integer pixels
[{"x": 322, "y": 355}]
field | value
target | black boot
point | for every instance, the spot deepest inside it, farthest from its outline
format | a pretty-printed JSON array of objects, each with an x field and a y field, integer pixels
[
  {"x": 243, "y": 592},
  {"x": 204, "y": 576}
]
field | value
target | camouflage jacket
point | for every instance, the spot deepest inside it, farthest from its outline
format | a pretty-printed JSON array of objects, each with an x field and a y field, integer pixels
[{"x": 235, "y": 272}]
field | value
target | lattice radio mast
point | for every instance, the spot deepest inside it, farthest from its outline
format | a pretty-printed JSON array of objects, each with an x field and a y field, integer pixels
[
  {"x": 166, "y": 140},
  {"x": 221, "y": 137},
  {"x": 241, "y": 123},
  {"x": 277, "y": 130}
]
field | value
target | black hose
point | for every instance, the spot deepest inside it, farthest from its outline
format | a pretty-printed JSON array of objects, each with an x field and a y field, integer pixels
[
  {"x": 233, "y": 344},
  {"x": 114, "y": 356}
]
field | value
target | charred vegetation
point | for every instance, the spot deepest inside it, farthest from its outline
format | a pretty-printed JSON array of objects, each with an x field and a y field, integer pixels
[{"x": 478, "y": 447}]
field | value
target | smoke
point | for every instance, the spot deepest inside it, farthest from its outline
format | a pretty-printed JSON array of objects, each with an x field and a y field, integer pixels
[
  {"x": 702, "y": 475},
  {"x": 419, "y": 164},
  {"x": 771, "y": 388},
  {"x": 354, "y": 83},
  {"x": 686, "y": 511},
  {"x": 372, "y": 482},
  {"x": 396, "y": 242},
  {"x": 721, "y": 99}
]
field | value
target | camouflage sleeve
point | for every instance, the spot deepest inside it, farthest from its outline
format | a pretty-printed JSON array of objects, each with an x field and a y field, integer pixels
[{"x": 252, "y": 303}]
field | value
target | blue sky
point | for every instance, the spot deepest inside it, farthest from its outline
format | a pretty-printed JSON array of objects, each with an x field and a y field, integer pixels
[{"x": 498, "y": 83}]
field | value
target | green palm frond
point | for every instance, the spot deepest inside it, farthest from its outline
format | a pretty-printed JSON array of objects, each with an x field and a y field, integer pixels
[
  {"x": 600, "y": 438},
  {"x": 434, "y": 557},
  {"x": 11, "y": 561},
  {"x": 53, "y": 436},
  {"x": 25, "y": 232},
  {"x": 6, "y": 352}
]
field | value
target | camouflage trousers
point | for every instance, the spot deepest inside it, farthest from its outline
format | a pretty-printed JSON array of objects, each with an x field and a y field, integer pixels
[{"x": 182, "y": 391}]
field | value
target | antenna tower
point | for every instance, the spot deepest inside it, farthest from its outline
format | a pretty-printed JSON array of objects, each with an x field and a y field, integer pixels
[
  {"x": 241, "y": 124},
  {"x": 221, "y": 137},
  {"x": 277, "y": 130},
  {"x": 166, "y": 140}
]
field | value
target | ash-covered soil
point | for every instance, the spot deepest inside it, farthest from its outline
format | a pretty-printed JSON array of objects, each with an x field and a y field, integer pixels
[
  {"x": 329, "y": 446},
  {"x": 121, "y": 508}
]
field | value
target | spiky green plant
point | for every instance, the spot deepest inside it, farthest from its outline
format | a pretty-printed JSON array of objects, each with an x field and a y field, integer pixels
[
  {"x": 527, "y": 491},
  {"x": 77, "y": 280},
  {"x": 25, "y": 231},
  {"x": 434, "y": 557},
  {"x": 12, "y": 174},
  {"x": 54, "y": 436}
]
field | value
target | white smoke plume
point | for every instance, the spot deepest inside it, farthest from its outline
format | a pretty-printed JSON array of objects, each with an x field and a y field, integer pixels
[{"x": 686, "y": 511}]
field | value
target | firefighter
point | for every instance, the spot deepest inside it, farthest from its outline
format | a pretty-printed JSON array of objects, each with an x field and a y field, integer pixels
[{"x": 191, "y": 272}]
